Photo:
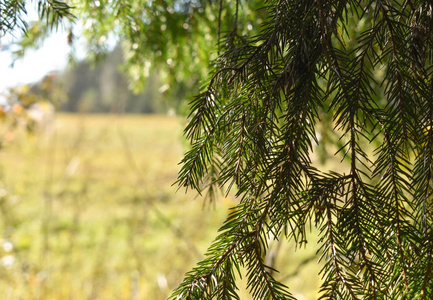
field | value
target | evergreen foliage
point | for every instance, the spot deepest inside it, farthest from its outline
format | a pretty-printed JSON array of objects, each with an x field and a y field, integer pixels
[
  {"x": 14, "y": 22},
  {"x": 367, "y": 66},
  {"x": 13, "y": 14}
]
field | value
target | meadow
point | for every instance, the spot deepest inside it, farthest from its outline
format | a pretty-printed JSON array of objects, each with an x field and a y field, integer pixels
[{"x": 88, "y": 211}]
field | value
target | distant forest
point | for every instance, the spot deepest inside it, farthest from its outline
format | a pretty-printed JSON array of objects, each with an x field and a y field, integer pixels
[{"x": 103, "y": 88}]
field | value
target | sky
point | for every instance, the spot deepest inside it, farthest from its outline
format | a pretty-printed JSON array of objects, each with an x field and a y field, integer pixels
[{"x": 53, "y": 55}]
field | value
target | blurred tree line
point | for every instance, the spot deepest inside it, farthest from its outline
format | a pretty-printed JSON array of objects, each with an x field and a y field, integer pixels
[{"x": 103, "y": 88}]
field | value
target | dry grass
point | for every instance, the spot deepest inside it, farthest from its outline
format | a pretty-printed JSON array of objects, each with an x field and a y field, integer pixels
[{"x": 88, "y": 212}]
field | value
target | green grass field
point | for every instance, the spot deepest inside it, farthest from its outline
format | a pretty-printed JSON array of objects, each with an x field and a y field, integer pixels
[{"x": 87, "y": 211}]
